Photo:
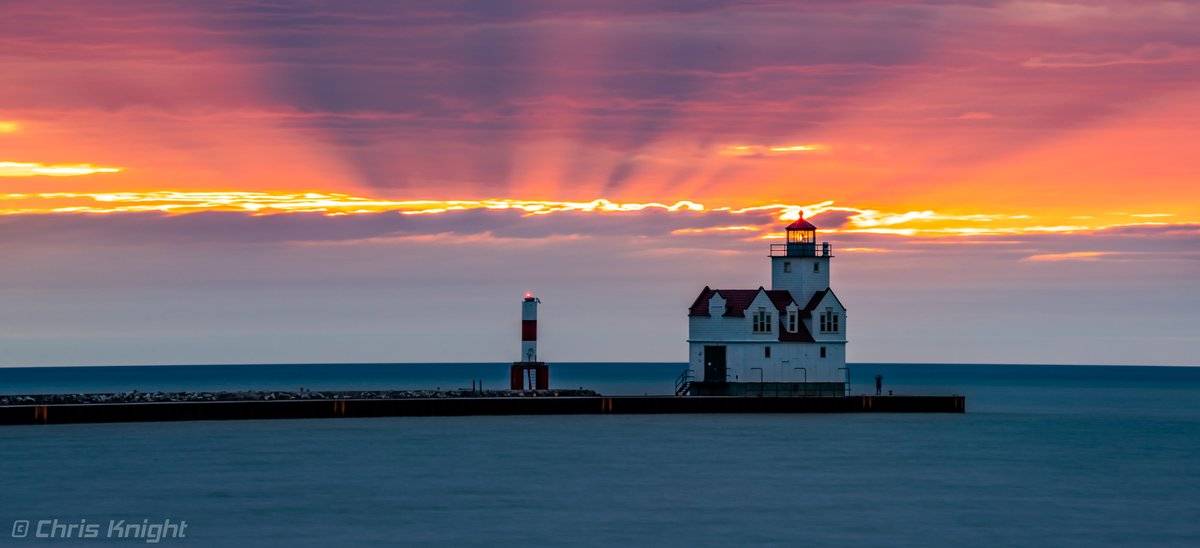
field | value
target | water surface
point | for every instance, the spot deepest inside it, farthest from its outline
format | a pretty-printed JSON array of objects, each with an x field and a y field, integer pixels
[{"x": 1046, "y": 455}]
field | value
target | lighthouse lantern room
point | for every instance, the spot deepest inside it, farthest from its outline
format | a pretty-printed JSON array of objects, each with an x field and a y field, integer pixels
[{"x": 801, "y": 238}]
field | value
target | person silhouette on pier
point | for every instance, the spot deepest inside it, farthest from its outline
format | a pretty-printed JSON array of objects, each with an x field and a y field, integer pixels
[{"x": 878, "y": 385}]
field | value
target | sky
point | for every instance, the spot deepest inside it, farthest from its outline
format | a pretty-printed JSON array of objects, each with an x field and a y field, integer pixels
[{"x": 380, "y": 181}]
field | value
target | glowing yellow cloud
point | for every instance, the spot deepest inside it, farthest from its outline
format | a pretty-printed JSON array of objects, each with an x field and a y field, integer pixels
[
  {"x": 32, "y": 169},
  {"x": 762, "y": 221},
  {"x": 797, "y": 148},
  {"x": 770, "y": 150},
  {"x": 266, "y": 203},
  {"x": 9, "y": 126},
  {"x": 732, "y": 228},
  {"x": 865, "y": 250},
  {"x": 1071, "y": 256}
]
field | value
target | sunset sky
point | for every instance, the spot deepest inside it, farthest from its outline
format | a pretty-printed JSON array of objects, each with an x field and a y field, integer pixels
[{"x": 204, "y": 182}]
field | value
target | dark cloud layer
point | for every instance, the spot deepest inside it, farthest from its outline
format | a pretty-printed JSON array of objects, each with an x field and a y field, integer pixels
[
  {"x": 676, "y": 229},
  {"x": 229, "y": 227},
  {"x": 219, "y": 287}
]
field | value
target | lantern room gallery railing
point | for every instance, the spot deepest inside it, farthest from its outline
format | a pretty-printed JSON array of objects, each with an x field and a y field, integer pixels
[{"x": 802, "y": 250}]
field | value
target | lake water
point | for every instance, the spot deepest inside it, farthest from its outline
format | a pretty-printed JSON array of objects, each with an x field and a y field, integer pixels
[{"x": 1046, "y": 455}]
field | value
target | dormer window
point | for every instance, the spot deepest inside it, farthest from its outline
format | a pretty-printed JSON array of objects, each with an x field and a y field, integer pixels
[
  {"x": 716, "y": 306},
  {"x": 761, "y": 321},
  {"x": 793, "y": 321}
]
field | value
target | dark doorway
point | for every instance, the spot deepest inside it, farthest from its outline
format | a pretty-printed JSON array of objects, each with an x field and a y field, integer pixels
[{"x": 714, "y": 364}]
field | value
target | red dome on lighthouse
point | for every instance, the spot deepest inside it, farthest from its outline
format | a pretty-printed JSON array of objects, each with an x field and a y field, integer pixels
[{"x": 801, "y": 224}]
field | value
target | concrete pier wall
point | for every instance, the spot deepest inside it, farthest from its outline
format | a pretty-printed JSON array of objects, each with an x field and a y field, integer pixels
[{"x": 419, "y": 407}]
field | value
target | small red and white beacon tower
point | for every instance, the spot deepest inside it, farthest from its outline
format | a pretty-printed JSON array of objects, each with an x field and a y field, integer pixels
[{"x": 529, "y": 372}]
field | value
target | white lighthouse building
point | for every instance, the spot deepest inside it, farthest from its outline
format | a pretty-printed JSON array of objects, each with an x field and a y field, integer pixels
[{"x": 786, "y": 340}]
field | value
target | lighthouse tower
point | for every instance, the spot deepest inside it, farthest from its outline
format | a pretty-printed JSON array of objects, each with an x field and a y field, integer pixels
[{"x": 800, "y": 266}]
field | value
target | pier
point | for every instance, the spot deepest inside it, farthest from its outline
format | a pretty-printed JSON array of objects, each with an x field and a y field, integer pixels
[{"x": 459, "y": 404}]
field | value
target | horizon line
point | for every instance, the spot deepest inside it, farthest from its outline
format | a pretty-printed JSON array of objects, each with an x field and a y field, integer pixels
[{"x": 681, "y": 363}]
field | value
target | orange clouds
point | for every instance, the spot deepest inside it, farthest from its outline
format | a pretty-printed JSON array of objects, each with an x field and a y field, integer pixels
[
  {"x": 34, "y": 169},
  {"x": 950, "y": 119}
]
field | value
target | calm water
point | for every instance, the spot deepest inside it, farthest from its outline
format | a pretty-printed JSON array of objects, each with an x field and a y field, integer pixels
[{"x": 1046, "y": 455}]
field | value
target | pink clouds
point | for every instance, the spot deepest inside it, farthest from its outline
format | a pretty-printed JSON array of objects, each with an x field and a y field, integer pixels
[{"x": 590, "y": 100}]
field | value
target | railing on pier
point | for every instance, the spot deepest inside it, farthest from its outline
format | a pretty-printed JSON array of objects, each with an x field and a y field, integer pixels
[{"x": 683, "y": 383}]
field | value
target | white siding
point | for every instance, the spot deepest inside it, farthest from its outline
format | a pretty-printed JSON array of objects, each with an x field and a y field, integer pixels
[
  {"x": 802, "y": 282},
  {"x": 743, "y": 357}
]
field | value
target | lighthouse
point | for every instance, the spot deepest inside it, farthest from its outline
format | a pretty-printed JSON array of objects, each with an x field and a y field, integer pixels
[
  {"x": 529, "y": 373},
  {"x": 789, "y": 340},
  {"x": 529, "y": 308}
]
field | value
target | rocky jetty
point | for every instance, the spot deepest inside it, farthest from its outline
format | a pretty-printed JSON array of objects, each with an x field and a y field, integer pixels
[{"x": 270, "y": 395}]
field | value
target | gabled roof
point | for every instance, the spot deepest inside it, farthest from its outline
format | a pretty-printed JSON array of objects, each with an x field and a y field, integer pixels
[
  {"x": 700, "y": 305},
  {"x": 815, "y": 300},
  {"x": 737, "y": 300},
  {"x": 818, "y": 297},
  {"x": 801, "y": 334}
]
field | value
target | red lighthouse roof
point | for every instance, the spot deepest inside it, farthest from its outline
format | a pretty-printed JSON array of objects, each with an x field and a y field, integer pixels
[{"x": 801, "y": 224}]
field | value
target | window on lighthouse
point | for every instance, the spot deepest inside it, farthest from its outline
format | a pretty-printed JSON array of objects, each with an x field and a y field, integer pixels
[
  {"x": 830, "y": 321},
  {"x": 787, "y": 267},
  {"x": 761, "y": 321}
]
